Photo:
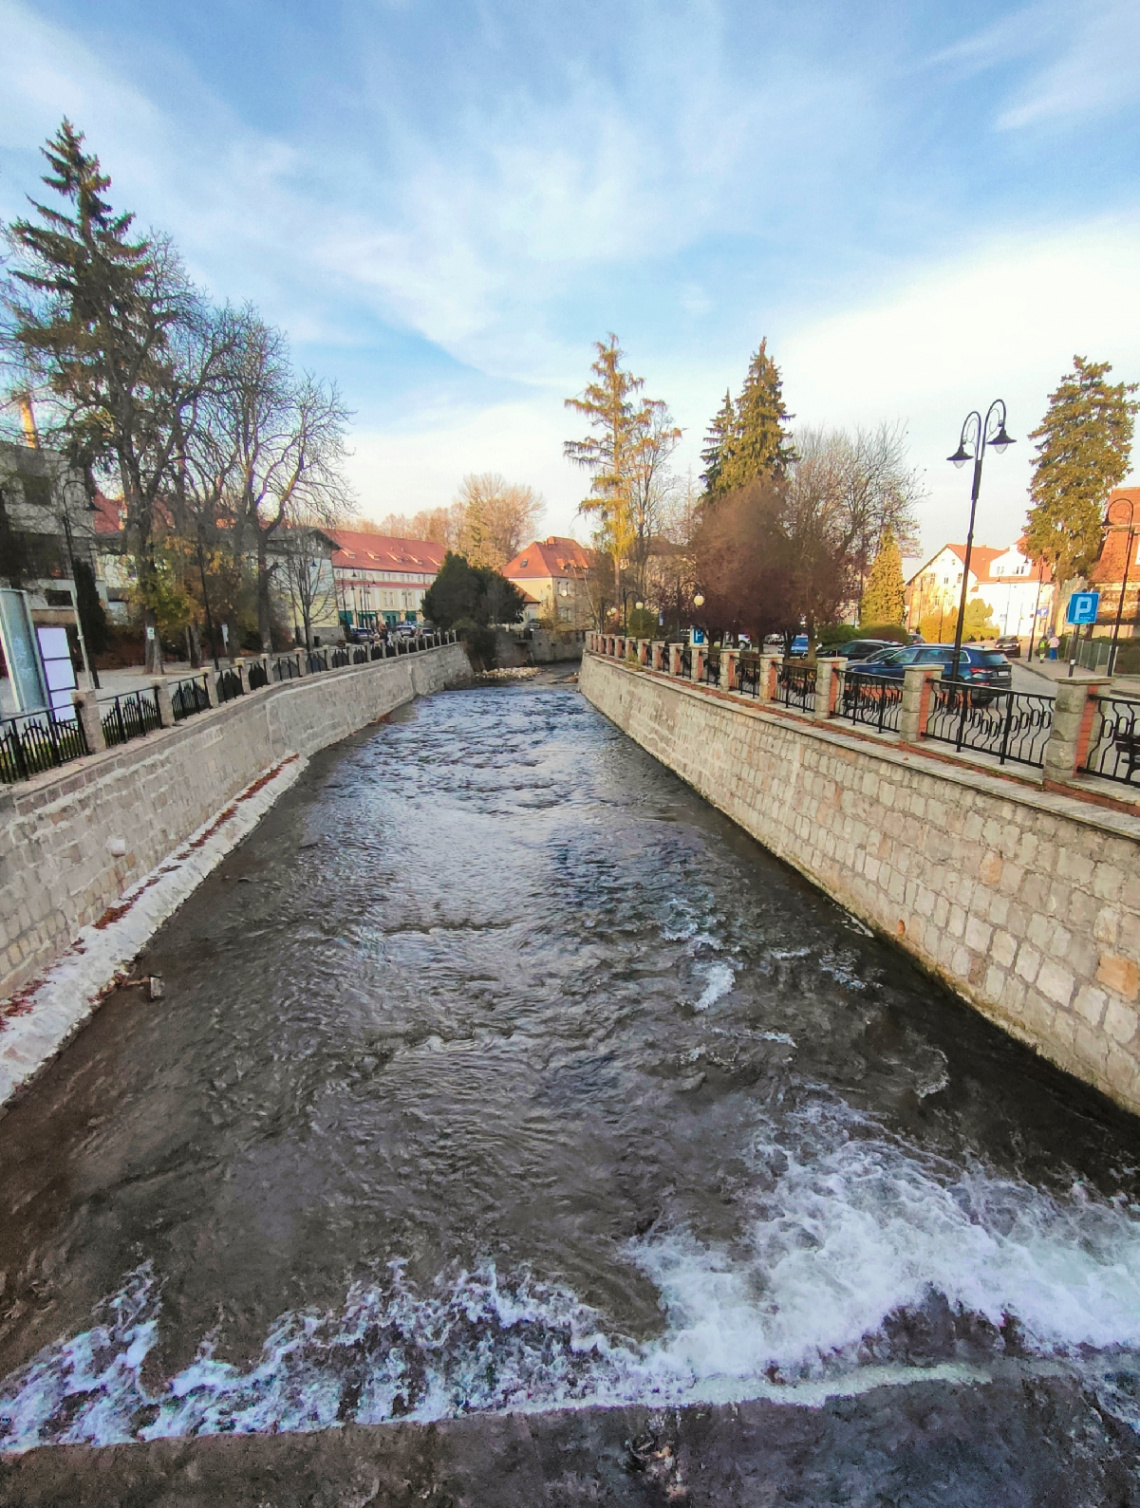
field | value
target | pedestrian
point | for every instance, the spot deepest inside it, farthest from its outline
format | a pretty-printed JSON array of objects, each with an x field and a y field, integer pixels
[{"x": 1054, "y": 646}]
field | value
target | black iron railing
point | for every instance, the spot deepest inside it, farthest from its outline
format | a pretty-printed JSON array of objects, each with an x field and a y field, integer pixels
[
  {"x": 318, "y": 661},
  {"x": 229, "y": 685},
  {"x": 873, "y": 701},
  {"x": 286, "y": 668},
  {"x": 1114, "y": 749},
  {"x": 748, "y": 676},
  {"x": 687, "y": 663},
  {"x": 133, "y": 714},
  {"x": 711, "y": 676},
  {"x": 189, "y": 697},
  {"x": 1014, "y": 725},
  {"x": 339, "y": 658},
  {"x": 37, "y": 741},
  {"x": 795, "y": 687},
  {"x": 258, "y": 675}
]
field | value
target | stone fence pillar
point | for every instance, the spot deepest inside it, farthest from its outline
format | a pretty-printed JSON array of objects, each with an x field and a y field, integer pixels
[
  {"x": 643, "y": 651},
  {"x": 728, "y": 658},
  {"x": 826, "y": 686},
  {"x": 657, "y": 655},
  {"x": 87, "y": 715},
  {"x": 239, "y": 667},
  {"x": 212, "y": 688},
  {"x": 674, "y": 659},
  {"x": 767, "y": 687},
  {"x": 697, "y": 662},
  {"x": 918, "y": 692},
  {"x": 1073, "y": 714},
  {"x": 165, "y": 705}
]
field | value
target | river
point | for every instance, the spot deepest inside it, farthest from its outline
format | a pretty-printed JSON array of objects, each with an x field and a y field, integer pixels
[{"x": 496, "y": 1070}]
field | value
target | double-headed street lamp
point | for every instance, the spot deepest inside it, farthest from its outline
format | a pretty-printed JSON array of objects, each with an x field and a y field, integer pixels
[
  {"x": 976, "y": 434},
  {"x": 1111, "y": 667}
]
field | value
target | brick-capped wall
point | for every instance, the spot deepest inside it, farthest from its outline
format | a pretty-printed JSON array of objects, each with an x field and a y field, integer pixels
[
  {"x": 57, "y": 873},
  {"x": 1025, "y": 901}
]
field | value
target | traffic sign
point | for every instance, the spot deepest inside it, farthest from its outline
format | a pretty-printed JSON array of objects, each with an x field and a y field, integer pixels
[{"x": 1082, "y": 607}]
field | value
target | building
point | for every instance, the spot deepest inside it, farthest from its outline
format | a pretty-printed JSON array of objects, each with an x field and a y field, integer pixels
[
  {"x": 553, "y": 571},
  {"x": 1017, "y": 592},
  {"x": 1108, "y": 575},
  {"x": 47, "y": 544},
  {"x": 380, "y": 579}
]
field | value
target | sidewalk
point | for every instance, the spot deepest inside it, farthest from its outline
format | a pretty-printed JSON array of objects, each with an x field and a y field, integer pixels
[{"x": 1058, "y": 670}]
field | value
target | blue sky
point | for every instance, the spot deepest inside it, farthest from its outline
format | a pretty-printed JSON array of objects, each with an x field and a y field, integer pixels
[{"x": 922, "y": 206}]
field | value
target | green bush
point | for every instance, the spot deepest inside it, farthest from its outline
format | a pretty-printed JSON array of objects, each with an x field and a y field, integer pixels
[{"x": 479, "y": 641}]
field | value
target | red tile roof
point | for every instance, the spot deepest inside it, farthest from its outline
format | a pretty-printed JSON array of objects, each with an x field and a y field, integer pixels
[
  {"x": 110, "y": 514},
  {"x": 550, "y": 557},
  {"x": 362, "y": 551}
]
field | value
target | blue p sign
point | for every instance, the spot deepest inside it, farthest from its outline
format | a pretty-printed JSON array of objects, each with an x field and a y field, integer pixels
[{"x": 1082, "y": 607}]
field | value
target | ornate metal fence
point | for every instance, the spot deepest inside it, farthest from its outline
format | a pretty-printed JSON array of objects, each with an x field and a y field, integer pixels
[
  {"x": 1114, "y": 749},
  {"x": 189, "y": 697},
  {"x": 711, "y": 676},
  {"x": 1014, "y": 725},
  {"x": 133, "y": 714},
  {"x": 872, "y": 701},
  {"x": 258, "y": 675},
  {"x": 686, "y": 663},
  {"x": 286, "y": 669},
  {"x": 795, "y": 687},
  {"x": 748, "y": 676},
  {"x": 37, "y": 741}
]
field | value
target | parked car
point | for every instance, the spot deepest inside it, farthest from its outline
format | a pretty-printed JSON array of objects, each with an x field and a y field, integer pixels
[
  {"x": 982, "y": 668},
  {"x": 1010, "y": 646},
  {"x": 860, "y": 649},
  {"x": 408, "y": 629}
]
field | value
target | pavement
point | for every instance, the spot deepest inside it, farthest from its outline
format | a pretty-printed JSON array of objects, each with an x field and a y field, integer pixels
[{"x": 1028, "y": 675}]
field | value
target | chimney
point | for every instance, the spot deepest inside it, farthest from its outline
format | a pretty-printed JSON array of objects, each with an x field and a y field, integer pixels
[{"x": 28, "y": 420}]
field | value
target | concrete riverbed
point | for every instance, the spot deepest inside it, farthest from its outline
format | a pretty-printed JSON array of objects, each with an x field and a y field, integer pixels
[{"x": 515, "y": 1129}]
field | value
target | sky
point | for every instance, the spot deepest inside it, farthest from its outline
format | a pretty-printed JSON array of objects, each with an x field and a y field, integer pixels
[{"x": 921, "y": 206}]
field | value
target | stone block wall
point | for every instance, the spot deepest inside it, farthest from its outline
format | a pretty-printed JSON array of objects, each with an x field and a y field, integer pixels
[
  {"x": 58, "y": 872},
  {"x": 1025, "y": 901}
]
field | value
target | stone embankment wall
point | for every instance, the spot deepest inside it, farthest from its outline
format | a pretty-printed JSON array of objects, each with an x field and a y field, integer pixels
[
  {"x": 1025, "y": 901},
  {"x": 57, "y": 869}
]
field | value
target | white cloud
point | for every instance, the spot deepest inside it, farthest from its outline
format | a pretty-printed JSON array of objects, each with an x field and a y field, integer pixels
[{"x": 1003, "y": 320}]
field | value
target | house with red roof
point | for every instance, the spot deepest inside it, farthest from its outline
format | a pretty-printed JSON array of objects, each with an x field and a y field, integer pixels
[
  {"x": 1119, "y": 564},
  {"x": 382, "y": 580},
  {"x": 552, "y": 573},
  {"x": 1018, "y": 593}
]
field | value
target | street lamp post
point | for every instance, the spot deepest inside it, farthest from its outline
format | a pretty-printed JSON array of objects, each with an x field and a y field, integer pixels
[
  {"x": 976, "y": 434},
  {"x": 1112, "y": 650}
]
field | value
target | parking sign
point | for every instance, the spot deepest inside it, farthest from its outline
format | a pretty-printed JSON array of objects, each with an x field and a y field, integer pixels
[{"x": 1082, "y": 607}]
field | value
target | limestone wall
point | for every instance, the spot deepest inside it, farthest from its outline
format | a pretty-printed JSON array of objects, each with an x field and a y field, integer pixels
[
  {"x": 57, "y": 873},
  {"x": 1025, "y": 901}
]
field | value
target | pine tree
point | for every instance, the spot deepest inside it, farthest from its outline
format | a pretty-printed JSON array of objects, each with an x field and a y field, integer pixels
[
  {"x": 716, "y": 439},
  {"x": 758, "y": 443},
  {"x": 883, "y": 596},
  {"x": 1083, "y": 448}
]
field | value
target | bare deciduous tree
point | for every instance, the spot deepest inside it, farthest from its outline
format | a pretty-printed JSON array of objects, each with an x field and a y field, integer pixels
[{"x": 492, "y": 519}]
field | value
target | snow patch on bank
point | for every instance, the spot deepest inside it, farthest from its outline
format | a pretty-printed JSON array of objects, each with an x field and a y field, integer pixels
[{"x": 36, "y": 1022}]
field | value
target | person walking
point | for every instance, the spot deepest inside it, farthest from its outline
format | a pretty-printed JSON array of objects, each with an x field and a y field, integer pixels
[{"x": 1054, "y": 646}]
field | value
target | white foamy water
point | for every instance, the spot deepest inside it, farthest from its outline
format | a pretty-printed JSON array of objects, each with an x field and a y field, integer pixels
[
  {"x": 719, "y": 979},
  {"x": 853, "y": 1231}
]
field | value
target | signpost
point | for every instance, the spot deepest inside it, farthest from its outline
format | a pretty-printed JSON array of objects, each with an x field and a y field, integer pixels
[{"x": 1082, "y": 609}]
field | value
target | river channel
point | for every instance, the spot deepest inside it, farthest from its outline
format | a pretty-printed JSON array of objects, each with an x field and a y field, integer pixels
[{"x": 497, "y": 1071}]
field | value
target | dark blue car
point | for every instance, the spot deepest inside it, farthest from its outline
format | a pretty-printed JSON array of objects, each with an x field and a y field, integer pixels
[{"x": 977, "y": 667}]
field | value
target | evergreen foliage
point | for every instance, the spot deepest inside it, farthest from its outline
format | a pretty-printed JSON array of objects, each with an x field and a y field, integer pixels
[
  {"x": 749, "y": 438},
  {"x": 1083, "y": 447},
  {"x": 462, "y": 593},
  {"x": 884, "y": 594}
]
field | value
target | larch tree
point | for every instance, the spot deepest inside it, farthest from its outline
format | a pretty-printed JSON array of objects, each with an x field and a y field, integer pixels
[
  {"x": 1084, "y": 443},
  {"x": 884, "y": 594}
]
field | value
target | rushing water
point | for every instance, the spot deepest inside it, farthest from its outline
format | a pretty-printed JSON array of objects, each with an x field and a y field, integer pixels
[{"x": 496, "y": 1070}]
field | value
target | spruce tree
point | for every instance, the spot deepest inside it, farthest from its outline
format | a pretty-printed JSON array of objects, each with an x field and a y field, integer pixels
[
  {"x": 100, "y": 321},
  {"x": 883, "y": 596},
  {"x": 716, "y": 439},
  {"x": 758, "y": 443},
  {"x": 1083, "y": 447}
]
